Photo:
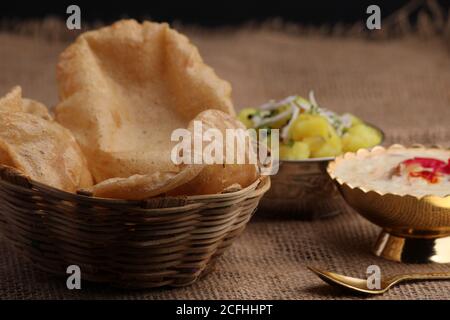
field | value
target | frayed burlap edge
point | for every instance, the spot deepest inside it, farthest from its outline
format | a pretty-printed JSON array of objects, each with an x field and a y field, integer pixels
[{"x": 425, "y": 18}]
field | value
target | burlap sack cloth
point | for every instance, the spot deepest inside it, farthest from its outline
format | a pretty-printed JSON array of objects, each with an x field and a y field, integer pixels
[{"x": 401, "y": 84}]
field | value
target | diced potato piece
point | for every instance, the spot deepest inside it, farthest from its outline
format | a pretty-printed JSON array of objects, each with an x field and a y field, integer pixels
[
  {"x": 360, "y": 136},
  {"x": 314, "y": 143},
  {"x": 245, "y": 116},
  {"x": 327, "y": 150},
  {"x": 320, "y": 136},
  {"x": 297, "y": 151},
  {"x": 307, "y": 125},
  {"x": 333, "y": 139},
  {"x": 353, "y": 143}
]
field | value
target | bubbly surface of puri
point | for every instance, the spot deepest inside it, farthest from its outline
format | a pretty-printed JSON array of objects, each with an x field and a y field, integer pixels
[
  {"x": 124, "y": 89},
  {"x": 37, "y": 146},
  {"x": 415, "y": 171},
  {"x": 215, "y": 178},
  {"x": 310, "y": 131}
]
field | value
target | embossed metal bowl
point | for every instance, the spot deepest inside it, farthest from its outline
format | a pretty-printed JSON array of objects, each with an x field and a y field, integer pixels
[
  {"x": 302, "y": 189},
  {"x": 415, "y": 229}
]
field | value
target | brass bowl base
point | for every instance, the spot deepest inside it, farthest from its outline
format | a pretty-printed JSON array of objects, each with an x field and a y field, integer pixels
[{"x": 413, "y": 249}]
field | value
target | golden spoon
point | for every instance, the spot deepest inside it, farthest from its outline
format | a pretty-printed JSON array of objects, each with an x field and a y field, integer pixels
[{"x": 360, "y": 285}]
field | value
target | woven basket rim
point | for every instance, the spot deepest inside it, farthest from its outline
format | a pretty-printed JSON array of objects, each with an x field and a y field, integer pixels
[{"x": 19, "y": 181}]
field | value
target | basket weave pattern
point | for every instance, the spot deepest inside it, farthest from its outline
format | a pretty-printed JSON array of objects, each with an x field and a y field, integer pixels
[{"x": 139, "y": 244}]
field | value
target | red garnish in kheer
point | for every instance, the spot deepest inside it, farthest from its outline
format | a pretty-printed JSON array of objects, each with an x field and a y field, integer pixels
[{"x": 429, "y": 169}]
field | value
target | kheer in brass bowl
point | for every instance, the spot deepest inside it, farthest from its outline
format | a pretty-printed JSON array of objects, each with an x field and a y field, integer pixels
[{"x": 406, "y": 191}]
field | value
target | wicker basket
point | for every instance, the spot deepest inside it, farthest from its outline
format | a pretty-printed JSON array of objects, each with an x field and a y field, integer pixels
[{"x": 136, "y": 244}]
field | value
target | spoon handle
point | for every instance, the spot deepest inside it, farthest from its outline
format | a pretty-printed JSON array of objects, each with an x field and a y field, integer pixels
[{"x": 420, "y": 276}]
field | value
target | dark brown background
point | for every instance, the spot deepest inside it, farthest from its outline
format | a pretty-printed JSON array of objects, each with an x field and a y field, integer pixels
[{"x": 206, "y": 13}]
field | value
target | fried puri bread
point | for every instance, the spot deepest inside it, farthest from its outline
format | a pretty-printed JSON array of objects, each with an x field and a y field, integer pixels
[
  {"x": 14, "y": 102},
  {"x": 124, "y": 89},
  {"x": 215, "y": 178},
  {"x": 39, "y": 147},
  {"x": 191, "y": 179}
]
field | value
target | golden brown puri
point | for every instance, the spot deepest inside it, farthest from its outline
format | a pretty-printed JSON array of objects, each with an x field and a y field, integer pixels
[
  {"x": 14, "y": 102},
  {"x": 215, "y": 178},
  {"x": 191, "y": 179},
  {"x": 124, "y": 89},
  {"x": 138, "y": 187},
  {"x": 39, "y": 147}
]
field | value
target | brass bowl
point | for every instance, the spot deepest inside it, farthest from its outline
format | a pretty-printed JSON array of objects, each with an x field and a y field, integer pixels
[
  {"x": 414, "y": 229},
  {"x": 302, "y": 189}
]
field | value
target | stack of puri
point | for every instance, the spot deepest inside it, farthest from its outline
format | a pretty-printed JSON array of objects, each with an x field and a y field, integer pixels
[{"x": 123, "y": 91}]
